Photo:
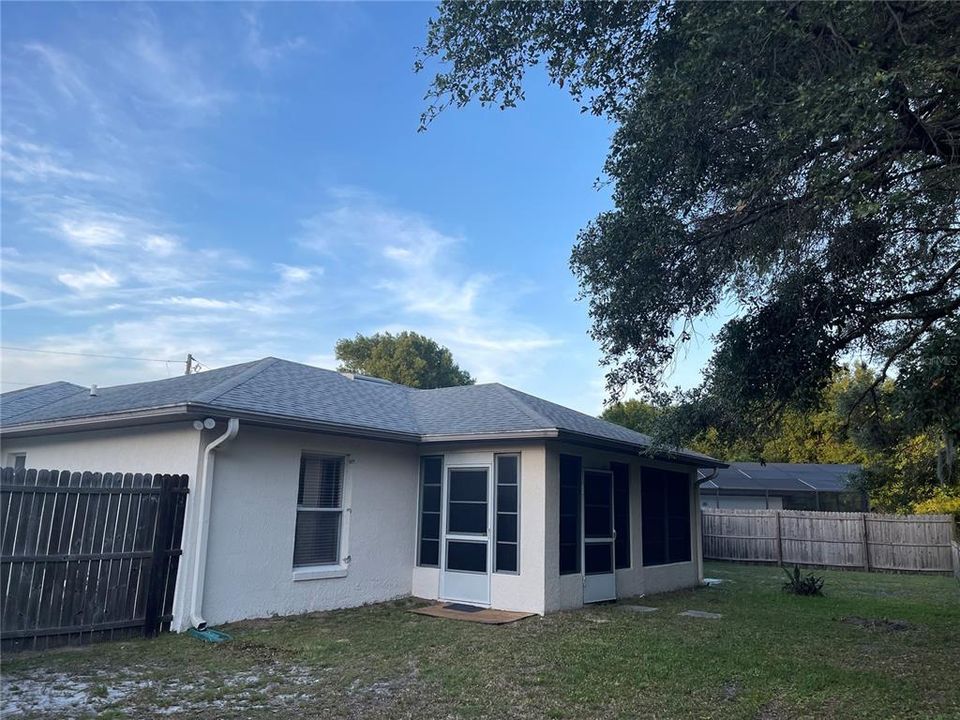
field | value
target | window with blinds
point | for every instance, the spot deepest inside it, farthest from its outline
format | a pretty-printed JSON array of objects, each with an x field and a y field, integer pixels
[{"x": 319, "y": 511}]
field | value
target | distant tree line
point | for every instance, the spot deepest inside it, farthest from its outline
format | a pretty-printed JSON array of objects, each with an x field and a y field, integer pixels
[{"x": 899, "y": 443}]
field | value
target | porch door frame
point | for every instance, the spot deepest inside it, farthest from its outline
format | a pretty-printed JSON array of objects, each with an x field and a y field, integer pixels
[
  {"x": 466, "y": 586},
  {"x": 598, "y": 586}
]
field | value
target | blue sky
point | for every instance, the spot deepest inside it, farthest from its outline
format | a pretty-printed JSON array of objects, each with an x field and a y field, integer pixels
[{"x": 239, "y": 180}]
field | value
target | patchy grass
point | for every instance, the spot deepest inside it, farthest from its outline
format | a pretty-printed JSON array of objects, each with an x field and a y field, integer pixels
[{"x": 874, "y": 646}]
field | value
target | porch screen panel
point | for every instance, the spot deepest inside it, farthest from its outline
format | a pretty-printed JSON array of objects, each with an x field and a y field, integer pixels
[
  {"x": 678, "y": 518},
  {"x": 665, "y": 497},
  {"x": 621, "y": 513},
  {"x": 431, "y": 478},
  {"x": 570, "y": 470},
  {"x": 506, "y": 557},
  {"x": 319, "y": 511}
]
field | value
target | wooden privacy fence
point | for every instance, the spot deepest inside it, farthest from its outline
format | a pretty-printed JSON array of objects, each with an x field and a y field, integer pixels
[
  {"x": 87, "y": 556},
  {"x": 906, "y": 543}
]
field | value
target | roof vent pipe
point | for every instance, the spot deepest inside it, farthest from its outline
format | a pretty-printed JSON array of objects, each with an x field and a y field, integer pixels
[{"x": 93, "y": 391}]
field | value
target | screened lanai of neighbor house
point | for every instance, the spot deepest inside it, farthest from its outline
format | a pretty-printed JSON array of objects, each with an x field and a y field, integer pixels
[{"x": 783, "y": 486}]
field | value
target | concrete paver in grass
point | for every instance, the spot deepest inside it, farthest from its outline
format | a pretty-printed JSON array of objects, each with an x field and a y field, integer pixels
[
  {"x": 702, "y": 614},
  {"x": 639, "y": 608}
]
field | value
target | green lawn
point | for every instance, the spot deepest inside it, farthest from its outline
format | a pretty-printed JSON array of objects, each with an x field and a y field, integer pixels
[{"x": 772, "y": 655}]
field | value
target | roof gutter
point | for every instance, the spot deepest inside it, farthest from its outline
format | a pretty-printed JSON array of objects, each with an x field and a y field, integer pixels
[
  {"x": 192, "y": 410},
  {"x": 294, "y": 423},
  {"x": 204, "y": 493},
  {"x": 643, "y": 451},
  {"x": 97, "y": 422}
]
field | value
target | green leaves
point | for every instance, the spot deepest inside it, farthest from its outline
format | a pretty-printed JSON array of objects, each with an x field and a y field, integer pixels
[
  {"x": 406, "y": 358},
  {"x": 802, "y": 160},
  {"x": 800, "y": 584}
]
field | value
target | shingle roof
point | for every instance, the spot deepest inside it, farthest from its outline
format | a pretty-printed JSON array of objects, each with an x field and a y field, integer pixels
[
  {"x": 783, "y": 477},
  {"x": 286, "y": 390},
  {"x": 22, "y": 402}
]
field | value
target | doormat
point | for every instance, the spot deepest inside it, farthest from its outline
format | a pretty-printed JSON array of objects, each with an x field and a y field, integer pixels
[
  {"x": 485, "y": 616},
  {"x": 461, "y": 607}
]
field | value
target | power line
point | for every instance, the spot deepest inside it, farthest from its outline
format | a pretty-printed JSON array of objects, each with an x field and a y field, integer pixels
[{"x": 80, "y": 354}]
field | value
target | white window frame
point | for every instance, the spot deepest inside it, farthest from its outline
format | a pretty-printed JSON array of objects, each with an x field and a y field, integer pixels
[
  {"x": 12, "y": 459},
  {"x": 337, "y": 569}
]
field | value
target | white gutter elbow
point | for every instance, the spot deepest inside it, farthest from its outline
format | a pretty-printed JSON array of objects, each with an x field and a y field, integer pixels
[{"x": 204, "y": 493}]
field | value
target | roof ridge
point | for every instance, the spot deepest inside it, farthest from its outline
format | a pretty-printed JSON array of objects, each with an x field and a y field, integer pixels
[
  {"x": 522, "y": 404},
  {"x": 80, "y": 389},
  {"x": 34, "y": 388},
  {"x": 594, "y": 418},
  {"x": 235, "y": 381}
]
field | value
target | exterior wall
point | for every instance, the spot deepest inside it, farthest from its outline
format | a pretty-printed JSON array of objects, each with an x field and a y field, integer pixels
[
  {"x": 566, "y": 591},
  {"x": 164, "y": 448},
  {"x": 522, "y": 591},
  {"x": 249, "y": 571}
]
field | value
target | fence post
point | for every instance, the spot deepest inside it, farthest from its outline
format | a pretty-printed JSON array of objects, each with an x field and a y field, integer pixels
[
  {"x": 779, "y": 542},
  {"x": 866, "y": 543},
  {"x": 158, "y": 564}
]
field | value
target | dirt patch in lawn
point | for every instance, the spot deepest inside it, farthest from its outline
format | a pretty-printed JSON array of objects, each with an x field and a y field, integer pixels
[
  {"x": 878, "y": 624},
  {"x": 62, "y": 695}
]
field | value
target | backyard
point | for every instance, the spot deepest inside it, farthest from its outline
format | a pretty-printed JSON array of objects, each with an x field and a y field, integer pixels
[{"x": 875, "y": 646}]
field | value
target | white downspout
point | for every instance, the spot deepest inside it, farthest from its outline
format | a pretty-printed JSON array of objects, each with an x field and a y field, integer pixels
[{"x": 203, "y": 523}]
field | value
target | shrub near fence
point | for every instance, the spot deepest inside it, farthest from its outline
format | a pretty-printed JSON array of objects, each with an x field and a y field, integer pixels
[
  {"x": 87, "y": 556},
  {"x": 906, "y": 543}
]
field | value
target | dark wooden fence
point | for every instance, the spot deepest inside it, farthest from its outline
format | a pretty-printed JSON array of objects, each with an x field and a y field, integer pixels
[{"x": 87, "y": 556}]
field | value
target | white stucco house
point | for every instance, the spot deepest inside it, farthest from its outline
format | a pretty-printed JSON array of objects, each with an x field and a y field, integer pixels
[{"x": 311, "y": 489}]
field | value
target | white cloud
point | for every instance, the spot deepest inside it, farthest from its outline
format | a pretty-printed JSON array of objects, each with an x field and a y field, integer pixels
[
  {"x": 200, "y": 303},
  {"x": 297, "y": 273},
  {"x": 92, "y": 233},
  {"x": 408, "y": 274},
  {"x": 161, "y": 245},
  {"x": 262, "y": 54},
  {"x": 96, "y": 279},
  {"x": 166, "y": 76},
  {"x": 66, "y": 72},
  {"x": 26, "y": 162}
]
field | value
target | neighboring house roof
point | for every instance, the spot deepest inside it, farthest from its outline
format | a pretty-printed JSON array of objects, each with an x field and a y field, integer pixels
[
  {"x": 287, "y": 393},
  {"x": 781, "y": 477}
]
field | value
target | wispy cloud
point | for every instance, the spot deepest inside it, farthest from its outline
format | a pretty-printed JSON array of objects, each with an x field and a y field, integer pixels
[
  {"x": 262, "y": 54},
  {"x": 95, "y": 279},
  {"x": 26, "y": 162},
  {"x": 418, "y": 280},
  {"x": 104, "y": 249}
]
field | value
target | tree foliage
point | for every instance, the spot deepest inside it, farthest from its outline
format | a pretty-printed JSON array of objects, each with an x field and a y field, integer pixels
[
  {"x": 634, "y": 414},
  {"x": 406, "y": 358},
  {"x": 899, "y": 456},
  {"x": 801, "y": 159}
]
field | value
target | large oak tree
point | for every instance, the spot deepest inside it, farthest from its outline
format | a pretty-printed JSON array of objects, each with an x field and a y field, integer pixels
[{"x": 799, "y": 159}]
